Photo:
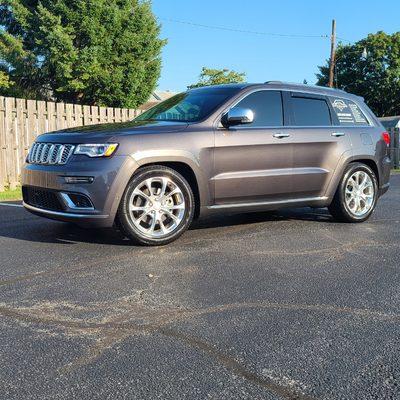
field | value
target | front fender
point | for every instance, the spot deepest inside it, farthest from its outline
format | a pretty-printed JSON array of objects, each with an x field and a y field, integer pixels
[{"x": 161, "y": 156}]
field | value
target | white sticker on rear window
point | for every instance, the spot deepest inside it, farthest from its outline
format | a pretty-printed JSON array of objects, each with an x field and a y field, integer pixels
[{"x": 348, "y": 113}]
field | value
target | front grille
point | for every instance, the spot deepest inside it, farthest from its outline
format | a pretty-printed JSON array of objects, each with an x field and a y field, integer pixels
[
  {"x": 50, "y": 153},
  {"x": 41, "y": 198}
]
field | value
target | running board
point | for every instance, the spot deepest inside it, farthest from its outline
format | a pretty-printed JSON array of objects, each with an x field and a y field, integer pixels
[{"x": 267, "y": 203}]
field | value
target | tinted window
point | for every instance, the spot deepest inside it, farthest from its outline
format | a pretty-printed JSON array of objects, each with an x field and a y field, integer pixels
[
  {"x": 310, "y": 111},
  {"x": 348, "y": 112},
  {"x": 190, "y": 106},
  {"x": 266, "y": 106}
]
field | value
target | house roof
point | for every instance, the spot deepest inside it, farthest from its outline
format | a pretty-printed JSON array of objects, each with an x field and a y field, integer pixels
[
  {"x": 159, "y": 95},
  {"x": 390, "y": 122}
]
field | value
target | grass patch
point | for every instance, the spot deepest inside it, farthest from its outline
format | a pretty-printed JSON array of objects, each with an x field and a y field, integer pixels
[
  {"x": 395, "y": 171},
  {"x": 10, "y": 195}
]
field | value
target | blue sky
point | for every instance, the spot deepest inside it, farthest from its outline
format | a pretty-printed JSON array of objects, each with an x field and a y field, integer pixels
[{"x": 262, "y": 57}]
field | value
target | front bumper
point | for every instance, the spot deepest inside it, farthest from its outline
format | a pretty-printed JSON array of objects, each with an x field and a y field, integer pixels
[
  {"x": 110, "y": 177},
  {"x": 85, "y": 220}
]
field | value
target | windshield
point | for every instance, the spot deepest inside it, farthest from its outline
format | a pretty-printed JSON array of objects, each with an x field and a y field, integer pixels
[{"x": 191, "y": 106}]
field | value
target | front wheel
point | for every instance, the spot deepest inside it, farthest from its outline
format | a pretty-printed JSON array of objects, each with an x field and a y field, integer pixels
[
  {"x": 157, "y": 206},
  {"x": 356, "y": 196}
]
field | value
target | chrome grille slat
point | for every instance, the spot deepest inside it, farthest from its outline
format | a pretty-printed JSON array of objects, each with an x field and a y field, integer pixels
[
  {"x": 50, "y": 153},
  {"x": 39, "y": 153},
  {"x": 37, "y": 146},
  {"x": 59, "y": 154},
  {"x": 66, "y": 153},
  {"x": 55, "y": 153},
  {"x": 43, "y": 155},
  {"x": 30, "y": 154}
]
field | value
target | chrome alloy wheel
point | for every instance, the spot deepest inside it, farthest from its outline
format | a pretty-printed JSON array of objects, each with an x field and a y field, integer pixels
[
  {"x": 359, "y": 193},
  {"x": 156, "y": 207}
]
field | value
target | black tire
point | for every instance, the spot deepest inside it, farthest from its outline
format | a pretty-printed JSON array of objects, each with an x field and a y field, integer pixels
[
  {"x": 339, "y": 208},
  {"x": 125, "y": 219}
]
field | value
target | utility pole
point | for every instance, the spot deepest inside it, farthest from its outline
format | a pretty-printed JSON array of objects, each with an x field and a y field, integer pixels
[{"x": 333, "y": 49}]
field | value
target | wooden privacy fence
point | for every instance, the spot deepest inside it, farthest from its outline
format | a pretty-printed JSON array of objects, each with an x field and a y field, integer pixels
[
  {"x": 394, "y": 147},
  {"x": 22, "y": 120}
]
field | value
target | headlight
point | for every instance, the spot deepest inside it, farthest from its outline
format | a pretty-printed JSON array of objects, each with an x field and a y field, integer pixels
[{"x": 96, "y": 150}]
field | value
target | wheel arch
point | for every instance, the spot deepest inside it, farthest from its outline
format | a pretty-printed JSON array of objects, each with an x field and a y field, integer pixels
[
  {"x": 363, "y": 159},
  {"x": 370, "y": 162}
]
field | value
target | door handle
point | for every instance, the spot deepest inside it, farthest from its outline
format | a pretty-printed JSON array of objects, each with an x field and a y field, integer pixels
[
  {"x": 281, "y": 135},
  {"x": 338, "y": 134}
]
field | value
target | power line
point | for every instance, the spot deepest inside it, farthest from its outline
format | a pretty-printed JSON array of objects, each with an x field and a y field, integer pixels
[
  {"x": 225, "y": 28},
  {"x": 343, "y": 39}
]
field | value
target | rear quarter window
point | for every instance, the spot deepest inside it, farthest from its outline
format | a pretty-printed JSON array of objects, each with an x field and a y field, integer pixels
[{"x": 348, "y": 113}]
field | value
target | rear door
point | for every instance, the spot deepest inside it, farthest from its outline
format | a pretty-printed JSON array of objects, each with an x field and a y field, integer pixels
[
  {"x": 253, "y": 163},
  {"x": 318, "y": 143}
]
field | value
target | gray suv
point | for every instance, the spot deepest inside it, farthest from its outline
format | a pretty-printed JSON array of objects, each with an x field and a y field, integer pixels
[{"x": 228, "y": 148}]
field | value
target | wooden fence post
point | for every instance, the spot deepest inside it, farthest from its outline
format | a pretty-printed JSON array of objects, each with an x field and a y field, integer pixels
[
  {"x": 103, "y": 115},
  {"x": 32, "y": 121},
  {"x": 3, "y": 145},
  {"x": 60, "y": 116},
  {"x": 110, "y": 115},
  {"x": 95, "y": 114},
  {"x": 86, "y": 116},
  {"x": 11, "y": 145},
  {"x": 41, "y": 117}
]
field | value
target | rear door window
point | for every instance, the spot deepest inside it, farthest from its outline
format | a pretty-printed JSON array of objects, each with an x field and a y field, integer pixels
[
  {"x": 266, "y": 106},
  {"x": 310, "y": 111},
  {"x": 348, "y": 113}
]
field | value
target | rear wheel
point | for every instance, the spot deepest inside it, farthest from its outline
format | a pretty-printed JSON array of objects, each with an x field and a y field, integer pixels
[
  {"x": 157, "y": 206},
  {"x": 355, "y": 198}
]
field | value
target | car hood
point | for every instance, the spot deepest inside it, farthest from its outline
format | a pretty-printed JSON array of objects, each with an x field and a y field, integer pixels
[{"x": 104, "y": 132}]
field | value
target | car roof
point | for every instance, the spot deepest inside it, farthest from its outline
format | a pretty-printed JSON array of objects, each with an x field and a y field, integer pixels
[
  {"x": 307, "y": 88},
  {"x": 237, "y": 86},
  {"x": 278, "y": 85}
]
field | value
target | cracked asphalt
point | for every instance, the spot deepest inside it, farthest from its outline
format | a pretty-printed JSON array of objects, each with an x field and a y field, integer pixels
[{"x": 276, "y": 305}]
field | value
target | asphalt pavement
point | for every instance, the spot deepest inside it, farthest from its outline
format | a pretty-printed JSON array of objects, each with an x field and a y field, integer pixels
[{"x": 276, "y": 305}]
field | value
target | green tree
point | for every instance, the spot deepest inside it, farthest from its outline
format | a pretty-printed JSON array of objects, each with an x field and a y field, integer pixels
[
  {"x": 103, "y": 52},
  {"x": 4, "y": 80},
  {"x": 374, "y": 75},
  {"x": 209, "y": 76}
]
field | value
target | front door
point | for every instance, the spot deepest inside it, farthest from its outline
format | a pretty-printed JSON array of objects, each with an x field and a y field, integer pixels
[{"x": 253, "y": 162}]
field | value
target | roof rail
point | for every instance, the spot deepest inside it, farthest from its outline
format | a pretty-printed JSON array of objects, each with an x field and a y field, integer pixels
[{"x": 303, "y": 85}]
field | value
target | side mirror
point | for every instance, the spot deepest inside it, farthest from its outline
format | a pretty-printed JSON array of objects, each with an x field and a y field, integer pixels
[{"x": 237, "y": 116}]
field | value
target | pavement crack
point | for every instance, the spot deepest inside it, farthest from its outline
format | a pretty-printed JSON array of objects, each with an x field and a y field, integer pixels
[
  {"x": 142, "y": 318},
  {"x": 95, "y": 351},
  {"x": 234, "y": 366}
]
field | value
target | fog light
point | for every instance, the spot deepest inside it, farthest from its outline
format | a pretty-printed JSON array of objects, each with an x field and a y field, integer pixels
[
  {"x": 77, "y": 201},
  {"x": 78, "y": 179},
  {"x": 80, "y": 201}
]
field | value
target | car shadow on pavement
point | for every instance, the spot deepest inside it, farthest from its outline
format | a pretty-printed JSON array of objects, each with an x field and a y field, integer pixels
[
  {"x": 36, "y": 229},
  {"x": 297, "y": 214}
]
